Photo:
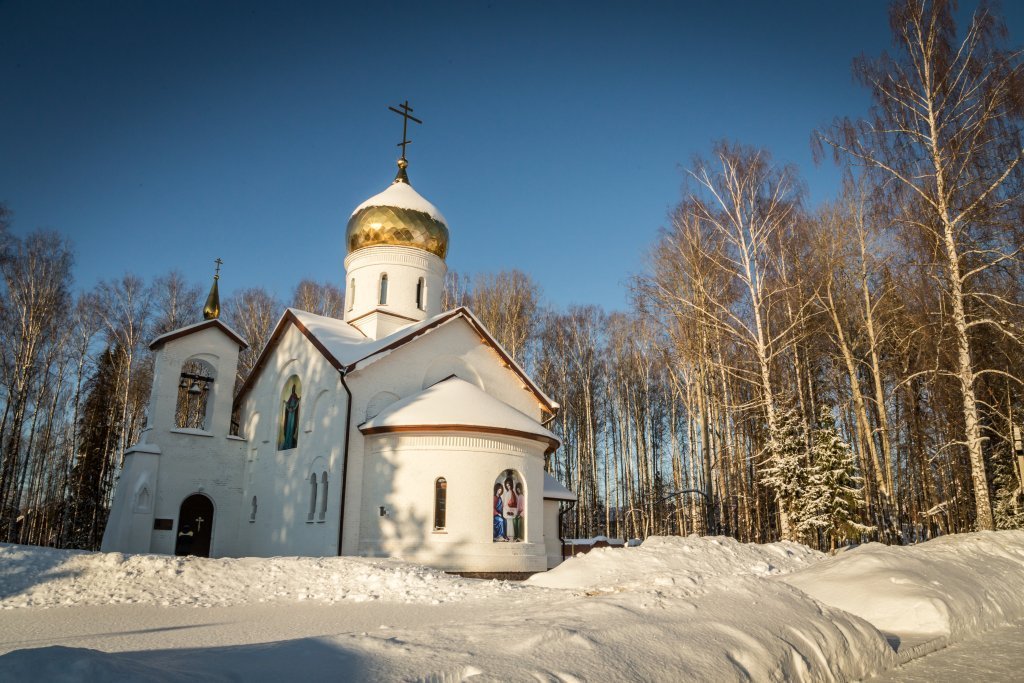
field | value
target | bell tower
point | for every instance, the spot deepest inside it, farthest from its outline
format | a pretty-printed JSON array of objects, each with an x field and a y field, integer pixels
[{"x": 397, "y": 242}]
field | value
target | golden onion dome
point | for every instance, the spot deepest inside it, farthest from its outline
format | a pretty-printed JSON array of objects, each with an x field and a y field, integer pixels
[{"x": 398, "y": 216}]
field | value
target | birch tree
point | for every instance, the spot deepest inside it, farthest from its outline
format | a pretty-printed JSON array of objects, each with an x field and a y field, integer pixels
[
  {"x": 322, "y": 298},
  {"x": 945, "y": 129},
  {"x": 745, "y": 203}
]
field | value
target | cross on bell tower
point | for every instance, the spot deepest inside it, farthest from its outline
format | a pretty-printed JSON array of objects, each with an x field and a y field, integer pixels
[{"x": 211, "y": 310}]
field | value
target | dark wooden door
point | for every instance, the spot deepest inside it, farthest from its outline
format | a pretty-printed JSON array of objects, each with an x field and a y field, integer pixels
[{"x": 195, "y": 525}]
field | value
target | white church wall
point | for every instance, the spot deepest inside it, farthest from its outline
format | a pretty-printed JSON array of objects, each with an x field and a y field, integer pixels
[
  {"x": 204, "y": 464},
  {"x": 280, "y": 478},
  {"x": 552, "y": 540},
  {"x": 399, "y": 475},
  {"x": 130, "y": 524},
  {"x": 170, "y": 463},
  {"x": 210, "y": 345},
  {"x": 404, "y": 267},
  {"x": 402, "y": 373}
]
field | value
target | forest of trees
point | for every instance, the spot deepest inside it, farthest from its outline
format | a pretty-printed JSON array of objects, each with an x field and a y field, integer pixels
[{"x": 824, "y": 374}]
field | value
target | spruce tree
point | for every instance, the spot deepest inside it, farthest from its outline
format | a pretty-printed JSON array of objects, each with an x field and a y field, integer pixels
[
  {"x": 1008, "y": 497},
  {"x": 93, "y": 474},
  {"x": 833, "y": 493},
  {"x": 785, "y": 470}
]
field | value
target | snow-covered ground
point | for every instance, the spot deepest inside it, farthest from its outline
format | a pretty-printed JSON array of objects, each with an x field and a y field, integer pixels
[{"x": 669, "y": 609}]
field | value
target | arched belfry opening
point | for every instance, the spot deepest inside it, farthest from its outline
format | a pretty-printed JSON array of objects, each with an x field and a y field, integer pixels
[{"x": 195, "y": 389}]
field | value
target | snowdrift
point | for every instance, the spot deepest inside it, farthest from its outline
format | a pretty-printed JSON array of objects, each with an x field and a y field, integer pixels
[
  {"x": 954, "y": 586},
  {"x": 674, "y": 566},
  {"x": 46, "y": 577},
  {"x": 670, "y": 609}
]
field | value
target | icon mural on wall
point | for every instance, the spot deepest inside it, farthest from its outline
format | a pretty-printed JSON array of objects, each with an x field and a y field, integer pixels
[
  {"x": 509, "y": 508},
  {"x": 288, "y": 432}
]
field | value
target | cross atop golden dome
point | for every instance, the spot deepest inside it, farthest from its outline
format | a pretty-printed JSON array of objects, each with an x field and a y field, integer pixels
[{"x": 399, "y": 215}]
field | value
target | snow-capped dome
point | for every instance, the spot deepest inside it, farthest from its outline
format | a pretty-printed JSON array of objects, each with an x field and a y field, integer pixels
[{"x": 400, "y": 216}]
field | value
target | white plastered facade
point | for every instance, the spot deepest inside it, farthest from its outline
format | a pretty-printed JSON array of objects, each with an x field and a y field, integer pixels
[{"x": 348, "y": 485}]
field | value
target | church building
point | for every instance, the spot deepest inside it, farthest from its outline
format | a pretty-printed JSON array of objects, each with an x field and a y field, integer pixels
[{"x": 400, "y": 431}]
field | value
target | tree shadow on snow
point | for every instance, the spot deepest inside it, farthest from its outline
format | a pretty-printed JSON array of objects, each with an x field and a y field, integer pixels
[
  {"x": 280, "y": 661},
  {"x": 18, "y": 575}
]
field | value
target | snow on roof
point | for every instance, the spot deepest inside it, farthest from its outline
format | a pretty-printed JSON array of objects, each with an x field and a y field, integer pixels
[
  {"x": 555, "y": 406},
  {"x": 402, "y": 196},
  {"x": 456, "y": 402},
  {"x": 347, "y": 348},
  {"x": 554, "y": 490},
  {"x": 350, "y": 347},
  {"x": 195, "y": 327},
  {"x": 347, "y": 344}
]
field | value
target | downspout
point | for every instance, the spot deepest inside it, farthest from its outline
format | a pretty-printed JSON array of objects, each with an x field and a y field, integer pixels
[{"x": 344, "y": 465}]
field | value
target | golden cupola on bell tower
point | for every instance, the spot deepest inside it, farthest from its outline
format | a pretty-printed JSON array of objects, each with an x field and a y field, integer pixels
[{"x": 396, "y": 243}]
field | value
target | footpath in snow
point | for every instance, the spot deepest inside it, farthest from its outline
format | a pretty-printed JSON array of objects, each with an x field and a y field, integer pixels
[{"x": 669, "y": 609}]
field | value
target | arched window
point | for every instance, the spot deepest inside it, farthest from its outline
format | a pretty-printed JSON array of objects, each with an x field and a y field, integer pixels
[
  {"x": 312, "y": 497},
  {"x": 383, "y": 289},
  {"x": 351, "y": 294},
  {"x": 440, "y": 503},
  {"x": 252, "y": 513},
  {"x": 323, "y": 497},
  {"x": 421, "y": 290},
  {"x": 288, "y": 431},
  {"x": 194, "y": 387}
]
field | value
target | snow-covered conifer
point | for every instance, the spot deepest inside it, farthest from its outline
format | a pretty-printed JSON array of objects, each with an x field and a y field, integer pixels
[
  {"x": 1008, "y": 496},
  {"x": 833, "y": 493},
  {"x": 785, "y": 470}
]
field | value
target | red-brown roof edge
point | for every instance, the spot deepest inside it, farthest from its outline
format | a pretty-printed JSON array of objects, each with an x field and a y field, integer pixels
[
  {"x": 551, "y": 406},
  {"x": 282, "y": 324},
  {"x": 190, "y": 329}
]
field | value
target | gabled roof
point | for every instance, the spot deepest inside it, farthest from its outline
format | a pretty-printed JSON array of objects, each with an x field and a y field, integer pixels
[
  {"x": 553, "y": 489},
  {"x": 348, "y": 349},
  {"x": 454, "y": 404},
  {"x": 191, "y": 329}
]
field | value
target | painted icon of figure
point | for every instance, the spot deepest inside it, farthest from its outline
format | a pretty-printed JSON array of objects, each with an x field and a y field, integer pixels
[
  {"x": 499, "y": 519},
  {"x": 511, "y": 506},
  {"x": 290, "y": 437},
  {"x": 517, "y": 521}
]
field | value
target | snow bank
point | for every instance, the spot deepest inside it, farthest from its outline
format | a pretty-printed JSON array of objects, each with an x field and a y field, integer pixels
[
  {"x": 952, "y": 586},
  {"x": 670, "y": 609},
  {"x": 46, "y": 577},
  {"x": 674, "y": 566}
]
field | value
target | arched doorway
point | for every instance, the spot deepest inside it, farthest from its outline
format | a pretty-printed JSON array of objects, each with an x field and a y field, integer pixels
[{"x": 195, "y": 525}]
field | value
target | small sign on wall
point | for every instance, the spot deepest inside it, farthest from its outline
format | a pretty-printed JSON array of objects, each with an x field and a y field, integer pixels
[{"x": 163, "y": 524}]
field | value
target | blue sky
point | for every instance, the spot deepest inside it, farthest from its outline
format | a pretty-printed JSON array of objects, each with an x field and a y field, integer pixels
[{"x": 162, "y": 135}]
